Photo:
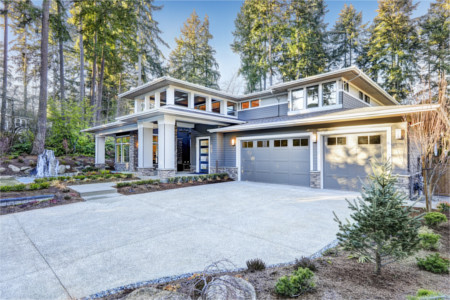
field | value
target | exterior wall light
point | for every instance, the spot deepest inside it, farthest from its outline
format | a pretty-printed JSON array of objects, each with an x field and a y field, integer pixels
[
  {"x": 233, "y": 142},
  {"x": 314, "y": 137},
  {"x": 399, "y": 134}
]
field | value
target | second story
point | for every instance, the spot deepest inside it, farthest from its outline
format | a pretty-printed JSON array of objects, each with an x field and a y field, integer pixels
[{"x": 336, "y": 90}]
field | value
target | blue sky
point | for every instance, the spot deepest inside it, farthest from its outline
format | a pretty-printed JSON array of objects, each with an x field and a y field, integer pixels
[{"x": 222, "y": 15}]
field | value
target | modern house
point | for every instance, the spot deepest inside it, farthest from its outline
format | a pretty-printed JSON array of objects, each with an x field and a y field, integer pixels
[{"x": 320, "y": 131}]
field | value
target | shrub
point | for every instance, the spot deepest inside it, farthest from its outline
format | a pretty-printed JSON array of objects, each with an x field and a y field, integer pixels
[
  {"x": 123, "y": 184},
  {"x": 426, "y": 294},
  {"x": 301, "y": 281},
  {"x": 20, "y": 160},
  {"x": 34, "y": 186},
  {"x": 434, "y": 219},
  {"x": 429, "y": 241},
  {"x": 129, "y": 175},
  {"x": 67, "y": 197},
  {"x": 434, "y": 263},
  {"x": 255, "y": 265},
  {"x": 13, "y": 188},
  {"x": 20, "y": 187},
  {"x": 305, "y": 262},
  {"x": 443, "y": 207},
  {"x": 331, "y": 252}
]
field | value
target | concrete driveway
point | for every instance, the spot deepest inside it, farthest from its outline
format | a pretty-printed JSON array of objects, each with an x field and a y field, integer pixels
[{"x": 79, "y": 249}]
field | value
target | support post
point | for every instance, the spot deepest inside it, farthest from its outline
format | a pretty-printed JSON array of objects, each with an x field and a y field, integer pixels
[
  {"x": 100, "y": 151},
  {"x": 145, "y": 146},
  {"x": 166, "y": 147}
]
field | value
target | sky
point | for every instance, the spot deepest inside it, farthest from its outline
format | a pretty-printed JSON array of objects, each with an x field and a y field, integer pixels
[{"x": 222, "y": 14}]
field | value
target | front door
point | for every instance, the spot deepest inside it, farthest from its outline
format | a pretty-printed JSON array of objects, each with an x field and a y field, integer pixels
[{"x": 203, "y": 156}]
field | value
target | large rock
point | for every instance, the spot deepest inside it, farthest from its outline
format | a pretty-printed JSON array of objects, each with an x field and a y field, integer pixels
[
  {"x": 149, "y": 293},
  {"x": 2, "y": 169},
  {"x": 25, "y": 168},
  {"x": 14, "y": 168},
  {"x": 61, "y": 169},
  {"x": 230, "y": 288}
]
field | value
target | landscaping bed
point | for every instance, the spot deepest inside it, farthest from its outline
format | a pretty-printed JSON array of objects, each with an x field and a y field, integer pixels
[
  {"x": 62, "y": 195},
  {"x": 147, "y": 186}
]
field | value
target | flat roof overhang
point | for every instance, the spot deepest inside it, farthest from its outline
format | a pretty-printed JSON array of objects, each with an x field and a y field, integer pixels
[{"x": 365, "y": 113}]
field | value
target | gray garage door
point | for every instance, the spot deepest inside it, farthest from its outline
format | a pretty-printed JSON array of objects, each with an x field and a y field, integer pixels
[
  {"x": 347, "y": 159},
  {"x": 284, "y": 161}
]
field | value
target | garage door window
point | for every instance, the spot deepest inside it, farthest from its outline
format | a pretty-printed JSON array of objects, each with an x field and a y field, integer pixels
[
  {"x": 247, "y": 145},
  {"x": 280, "y": 143},
  {"x": 333, "y": 141},
  {"x": 300, "y": 142},
  {"x": 263, "y": 144},
  {"x": 372, "y": 140}
]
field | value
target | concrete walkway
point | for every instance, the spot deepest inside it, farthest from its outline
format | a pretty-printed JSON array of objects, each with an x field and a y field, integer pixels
[{"x": 75, "y": 250}]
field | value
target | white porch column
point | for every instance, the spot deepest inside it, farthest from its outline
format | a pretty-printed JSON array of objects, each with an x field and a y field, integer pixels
[
  {"x": 191, "y": 100},
  {"x": 145, "y": 145},
  {"x": 166, "y": 144},
  {"x": 136, "y": 105},
  {"x": 223, "y": 107},
  {"x": 147, "y": 103},
  {"x": 99, "y": 150},
  {"x": 170, "y": 96},
  {"x": 157, "y": 100},
  {"x": 208, "y": 103}
]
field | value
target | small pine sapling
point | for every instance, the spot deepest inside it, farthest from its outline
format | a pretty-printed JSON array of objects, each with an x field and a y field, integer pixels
[{"x": 382, "y": 229}]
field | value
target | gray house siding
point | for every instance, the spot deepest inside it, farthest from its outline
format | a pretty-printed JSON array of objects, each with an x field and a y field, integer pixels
[
  {"x": 270, "y": 111},
  {"x": 349, "y": 101}
]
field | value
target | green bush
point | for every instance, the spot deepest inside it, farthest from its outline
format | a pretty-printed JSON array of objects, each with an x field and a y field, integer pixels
[
  {"x": 435, "y": 218},
  {"x": 443, "y": 207},
  {"x": 305, "y": 262},
  {"x": 123, "y": 184},
  {"x": 300, "y": 282},
  {"x": 45, "y": 185},
  {"x": 34, "y": 186},
  {"x": 426, "y": 294},
  {"x": 429, "y": 241},
  {"x": 434, "y": 263},
  {"x": 255, "y": 265}
]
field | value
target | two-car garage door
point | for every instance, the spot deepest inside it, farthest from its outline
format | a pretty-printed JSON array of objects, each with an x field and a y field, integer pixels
[{"x": 284, "y": 161}]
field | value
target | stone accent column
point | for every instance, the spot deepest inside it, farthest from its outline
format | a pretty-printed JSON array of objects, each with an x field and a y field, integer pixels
[
  {"x": 404, "y": 184},
  {"x": 133, "y": 152},
  {"x": 99, "y": 151},
  {"x": 145, "y": 148},
  {"x": 166, "y": 147},
  {"x": 314, "y": 179}
]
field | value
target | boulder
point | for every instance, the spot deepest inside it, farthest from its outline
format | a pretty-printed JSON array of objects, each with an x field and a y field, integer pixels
[
  {"x": 150, "y": 293},
  {"x": 14, "y": 168},
  {"x": 25, "y": 168},
  {"x": 2, "y": 169},
  {"x": 230, "y": 288},
  {"x": 67, "y": 167},
  {"x": 61, "y": 169}
]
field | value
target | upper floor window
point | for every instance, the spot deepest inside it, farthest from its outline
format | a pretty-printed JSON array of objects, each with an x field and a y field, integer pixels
[
  {"x": 367, "y": 99},
  {"x": 181, "y": 98},
  {"x": 346, "y": 86},
  {"x": 231, "y": 108},
  {"x": 329, "y": 93},
  {"x": 312, "y": 96},
  {"x": 200, "y": 102},
  {"x": 248, "y": 104},
  {"x": 297, "y": 99},
  {"x": 163, "y": 98},
  {"x": 215, "y": 106},
  {"x": 255, "y": 103}
]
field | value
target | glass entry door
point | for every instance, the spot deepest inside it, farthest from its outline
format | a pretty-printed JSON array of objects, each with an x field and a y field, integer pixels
[{"x": 204, "y": 156}]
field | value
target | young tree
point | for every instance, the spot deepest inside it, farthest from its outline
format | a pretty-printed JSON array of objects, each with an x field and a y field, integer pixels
[
  {"x": 429, "y": 133},
  {"x": 193, "y": 58},
  {"x": 382, "y": 229},
  {"x": 39, "y": 140},
  {"x": 303, "y": 49},
  {"x": 346, "y": 37},
  {"x": 392, "y": 47}
]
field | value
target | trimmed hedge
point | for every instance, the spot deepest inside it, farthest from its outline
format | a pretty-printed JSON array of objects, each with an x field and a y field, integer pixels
[
  {"x": 24, "y": 187},
  {"x": 87, "y": 176},
  {"x": 199, "y": 178},
  {"x": 139, "y": 182}
]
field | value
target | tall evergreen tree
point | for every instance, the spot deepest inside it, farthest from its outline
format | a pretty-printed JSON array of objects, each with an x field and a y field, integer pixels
[
  {"x": 392, "y": 47},
  {"x": 193, "y": 58},
  {"x": 303, "y": 50},
  {"x": 435, "y": 41},
  {"x": 5, "y": 13},
  {"x": 346, "y": 37}
]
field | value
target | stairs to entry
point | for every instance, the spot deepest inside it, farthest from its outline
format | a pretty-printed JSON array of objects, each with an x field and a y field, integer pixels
[{"x": 96, "y": 191}]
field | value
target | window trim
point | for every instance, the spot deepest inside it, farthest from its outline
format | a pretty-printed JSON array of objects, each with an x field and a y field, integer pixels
[
  {"x": 320, "y": 107},
  {"x": 120, "y": 158}
]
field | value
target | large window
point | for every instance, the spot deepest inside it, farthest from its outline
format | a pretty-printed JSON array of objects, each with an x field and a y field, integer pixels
[
  {"x": 245, "y": 105},
  {"x": 163, "y": 98},
  {"x": 200, "y": 103},
  {"x": 298, "y": 97},
  {"x": 215, "y": 106},
  {"x": 231, "y": 108},
  {"x": 181, "y": 98},
  {"x": 248, "y": 104},
  {"x": 151, "y": 103},
  {"x": 123, "y": 149},
  {"x": 155, "y": 148},
  {"x": 329, "y": 93},
  {"x": 312, "y": 96}
]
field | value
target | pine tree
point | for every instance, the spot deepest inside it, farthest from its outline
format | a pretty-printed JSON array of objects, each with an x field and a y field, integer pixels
[
  {"x": 382, "y": 229},
  {"x": 303, "y": 50},
  {"x": 193, "y": 58},
  {"x": 346, "y": 37},
  {"x": 435, "y": 41},
  {"x": 392, "y": 47}
]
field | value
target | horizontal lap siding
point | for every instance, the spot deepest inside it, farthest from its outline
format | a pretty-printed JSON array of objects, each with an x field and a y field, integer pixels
[{"x": 263, "y": 112}]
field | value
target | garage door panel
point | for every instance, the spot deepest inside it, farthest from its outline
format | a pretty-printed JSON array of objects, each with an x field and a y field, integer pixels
[
  {"x": 346, "y": 166},
  {"x": 285, "y": 165}
]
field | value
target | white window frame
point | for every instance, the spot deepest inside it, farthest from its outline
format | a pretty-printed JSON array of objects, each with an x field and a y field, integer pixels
[
  {"x": 121, "y": 149},
  {"x": 305, "y": 96},
  {"x": 197, "y": 153}
]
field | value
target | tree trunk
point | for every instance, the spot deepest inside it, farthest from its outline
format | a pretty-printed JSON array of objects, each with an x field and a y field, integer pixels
[
  {"x": 5, "y": 68},
  {"x": 25, "y": 73},
  {"x": 39, "y": 140},
  {"x": 61, "y": 60},
  {"x": 378, "y": 261},
  {"x": 425, "y": 186},
  {"x": 94, "y": 71},
  {"x": 81, "y": 62},
  {"x": 98, "y": 107}
]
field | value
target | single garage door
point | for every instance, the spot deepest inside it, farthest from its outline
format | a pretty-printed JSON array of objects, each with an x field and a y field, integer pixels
[
  {"x": 284, "y": 161},
  {"x": 347, "y": 159}
]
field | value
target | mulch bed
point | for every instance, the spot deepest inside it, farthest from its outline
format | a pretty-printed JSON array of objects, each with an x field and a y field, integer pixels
[
  {"x": 59, "y": 192},
  {"x": 148, "y": 188},
  {"x": 339, "y": 277}
]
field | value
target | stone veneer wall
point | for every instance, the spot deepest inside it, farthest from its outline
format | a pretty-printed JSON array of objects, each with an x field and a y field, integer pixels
[
  {"x": 314, "y": 179},
  {"x": 231, "y": 171}
]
